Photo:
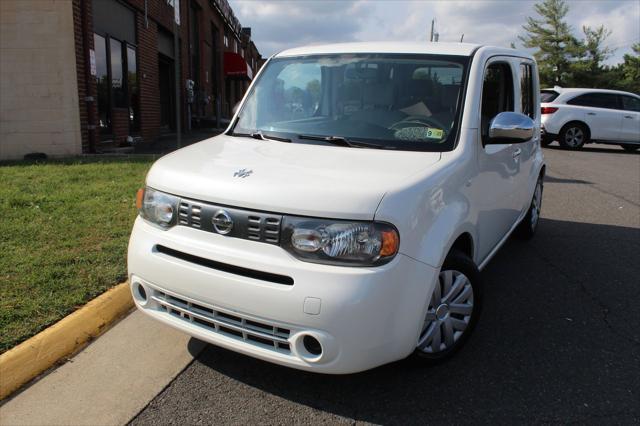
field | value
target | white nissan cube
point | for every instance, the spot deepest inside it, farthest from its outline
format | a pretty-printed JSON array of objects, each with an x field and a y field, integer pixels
[{"x": 342, "y": 220}]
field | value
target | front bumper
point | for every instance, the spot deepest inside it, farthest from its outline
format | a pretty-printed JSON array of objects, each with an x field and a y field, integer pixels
[
  {"x": 362, "y": 317},
  {"x": 546, "y": 136}
]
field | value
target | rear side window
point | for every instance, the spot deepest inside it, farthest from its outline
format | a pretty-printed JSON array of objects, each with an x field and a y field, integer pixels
[
  {"x": 597, "y": 100},
  {"x": 548, "y": 95},
  {"x": 630, "y": 103},
  {"x": 526, "y": 90},
  {"x": 497, "y": 94}
]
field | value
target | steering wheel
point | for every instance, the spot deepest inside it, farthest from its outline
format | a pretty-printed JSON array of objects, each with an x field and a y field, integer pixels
[{"x": 412, "y": 120}]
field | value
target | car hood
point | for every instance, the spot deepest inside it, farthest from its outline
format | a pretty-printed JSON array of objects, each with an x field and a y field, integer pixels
[{"x": 291, "y": 178}]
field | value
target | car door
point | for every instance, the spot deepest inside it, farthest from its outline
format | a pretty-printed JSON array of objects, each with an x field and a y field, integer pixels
[
  {"x": 631, "y": 119},
  {"x": 496, "y": 189},
  {"x": 528, "y": 105},
  {"x": 601, "y": 114}
]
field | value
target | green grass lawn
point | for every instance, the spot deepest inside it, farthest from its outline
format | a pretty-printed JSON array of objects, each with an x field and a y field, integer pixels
[{"x": 64, "y": 228}]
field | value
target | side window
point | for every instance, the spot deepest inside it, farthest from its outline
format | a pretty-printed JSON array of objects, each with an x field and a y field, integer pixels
[
  {"x": 607, "y": 100},
  {"x": 582, "y": 100},
  {"x": 548, "y": 95},
  {"x": 526, "y": 90},
  {"x": 597, "y": 100},
  {"x": 497, "y": 94},
  {"x": 630, "y": 103}
]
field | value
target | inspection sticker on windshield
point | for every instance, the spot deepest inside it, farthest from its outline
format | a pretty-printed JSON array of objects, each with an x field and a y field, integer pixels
[{"x": 434, "y": 133}]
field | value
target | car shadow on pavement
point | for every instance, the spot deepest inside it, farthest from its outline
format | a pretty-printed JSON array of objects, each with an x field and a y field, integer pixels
[
  {"x": 548, "y": 178},
  {"x": 615, "y": 149},
  {"x": 556, "y": 342}
]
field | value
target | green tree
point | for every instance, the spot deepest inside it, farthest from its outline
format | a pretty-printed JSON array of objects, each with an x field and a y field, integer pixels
[
  {"x": 313, "y": 87},
  {"x": 588, "y": 70},
  {"x": 629, "y": 70},
  {"x": 556, "y": 46}
]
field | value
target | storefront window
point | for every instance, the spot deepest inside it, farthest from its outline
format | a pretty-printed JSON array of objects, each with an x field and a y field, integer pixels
[
  {"x": 116, "y": 80},
  {"x": 102, "y": 83},
  {"x": 194, "y": 32},
  {"x": 132, "y": 85},
  {"x": 117, "y": 77},
  {"x": 114, "y": 26}
]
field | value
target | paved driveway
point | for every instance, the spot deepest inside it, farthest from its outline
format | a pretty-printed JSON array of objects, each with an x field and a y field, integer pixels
[{"x": 558, "y": 341}]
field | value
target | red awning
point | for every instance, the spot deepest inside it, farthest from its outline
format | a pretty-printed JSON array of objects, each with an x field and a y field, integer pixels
[{"x": 236, "y": 66}]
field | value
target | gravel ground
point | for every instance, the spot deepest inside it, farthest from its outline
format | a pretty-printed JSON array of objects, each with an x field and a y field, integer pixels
[{"x": 558, "y": 341}]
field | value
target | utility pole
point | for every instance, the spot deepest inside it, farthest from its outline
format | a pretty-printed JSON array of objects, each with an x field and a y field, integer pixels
[
  {"x": 176, "y": 60},
  {"x": 432, "y": 23}
]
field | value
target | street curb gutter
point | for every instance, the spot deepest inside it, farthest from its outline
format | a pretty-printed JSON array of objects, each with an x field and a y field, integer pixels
[{"x": 30, "y": 358}]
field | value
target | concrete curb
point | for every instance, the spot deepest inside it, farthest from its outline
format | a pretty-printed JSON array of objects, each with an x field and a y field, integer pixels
[{"x": 30, "y": 358}]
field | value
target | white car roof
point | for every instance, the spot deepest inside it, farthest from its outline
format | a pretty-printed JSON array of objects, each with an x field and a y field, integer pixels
[
  {"x": 460, "y": 49},
  {"x": 580, "y": 90}
]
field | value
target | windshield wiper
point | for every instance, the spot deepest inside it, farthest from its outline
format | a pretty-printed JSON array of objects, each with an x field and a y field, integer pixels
[
  {"x": 342, "y": 141},
  {"x": 261, "y": 136}
]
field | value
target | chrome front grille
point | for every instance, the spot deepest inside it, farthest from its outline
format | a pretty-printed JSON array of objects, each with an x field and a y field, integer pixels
[
  {"x": 268, "y": 336},
  {"x": 264, "y": 228},
  {"x": 189, "y": 214},
  {"x": 247, "y": 224}
]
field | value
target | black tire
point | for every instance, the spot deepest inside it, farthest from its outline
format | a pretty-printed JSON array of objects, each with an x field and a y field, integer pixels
[
  {"x": 630, "y": 148},
  {"x": 529, "y": 225},
  {"x": 573, "y": 136},
  {"x": 458, "y": 262}
]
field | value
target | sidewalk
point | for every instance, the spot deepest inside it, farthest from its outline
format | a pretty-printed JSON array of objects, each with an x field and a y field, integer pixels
[{"x": 110, "y": 381}]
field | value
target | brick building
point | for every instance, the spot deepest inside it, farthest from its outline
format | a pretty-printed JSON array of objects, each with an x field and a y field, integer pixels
[{"x": 123, "y": 55}]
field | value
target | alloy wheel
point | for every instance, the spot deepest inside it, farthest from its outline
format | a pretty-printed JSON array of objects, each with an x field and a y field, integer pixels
[
  {"x": 448, "y": 314},
  {"x": 574, "y": 137}
]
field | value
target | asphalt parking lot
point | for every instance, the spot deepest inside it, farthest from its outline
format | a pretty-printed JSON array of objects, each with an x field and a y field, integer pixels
[{"x": 558, "y": 341}]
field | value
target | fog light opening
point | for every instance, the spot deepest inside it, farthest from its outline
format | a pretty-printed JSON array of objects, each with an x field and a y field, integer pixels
[
  {"x": 140, "y": 293},
  {"x": 312, "y": 345}
]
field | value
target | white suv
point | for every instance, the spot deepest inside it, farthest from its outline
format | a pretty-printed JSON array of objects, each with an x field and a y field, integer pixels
[
  {"x": 342, "y": 219},
  {"x": 574, "y": 117}
]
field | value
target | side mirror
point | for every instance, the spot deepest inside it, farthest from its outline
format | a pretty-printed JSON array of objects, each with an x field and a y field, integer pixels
[{"x": 510, "y": 127}]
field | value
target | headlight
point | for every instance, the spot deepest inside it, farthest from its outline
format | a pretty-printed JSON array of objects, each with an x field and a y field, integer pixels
[
  {"x": 157, "y": 207},
  {"x": 340, "y": 242}
]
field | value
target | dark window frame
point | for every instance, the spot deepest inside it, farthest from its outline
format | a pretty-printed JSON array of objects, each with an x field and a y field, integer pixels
[
  {"x": 595, "y": 95},
  {"x": 108, "y": 129},
  {"x": 550, "y": 92},
  {"x": 509, "y": 101},
  {"x": 195, "y": 53},
  {"x": 624, "y": 108},
  {"x": 135, "y": 125},
  {"x": 215, "y": 59},
  {"x": 526, "y": 78}
]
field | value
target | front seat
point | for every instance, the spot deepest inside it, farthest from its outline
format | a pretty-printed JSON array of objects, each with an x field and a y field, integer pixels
[{"x": 377, "y": 102}]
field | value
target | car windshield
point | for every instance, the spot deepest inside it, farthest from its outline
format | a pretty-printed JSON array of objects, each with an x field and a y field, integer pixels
[{"x": 404, "y": 102}]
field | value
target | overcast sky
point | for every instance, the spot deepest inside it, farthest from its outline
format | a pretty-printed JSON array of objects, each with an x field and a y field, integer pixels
[{"x": 280, "y": 24}]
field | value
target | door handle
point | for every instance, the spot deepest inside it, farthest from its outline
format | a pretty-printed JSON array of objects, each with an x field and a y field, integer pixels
[
  {"x": 517, "y": 153},
  {"x": 591, "y": 113},
  {"x": 628, "y": 116}
]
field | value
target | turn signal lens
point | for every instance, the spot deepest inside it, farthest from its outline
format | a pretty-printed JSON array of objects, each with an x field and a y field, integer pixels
[
  {"x": 139, "y": 198},
  {"x": 390, "y": 243},
  {"x": 548, "y": 110}
]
